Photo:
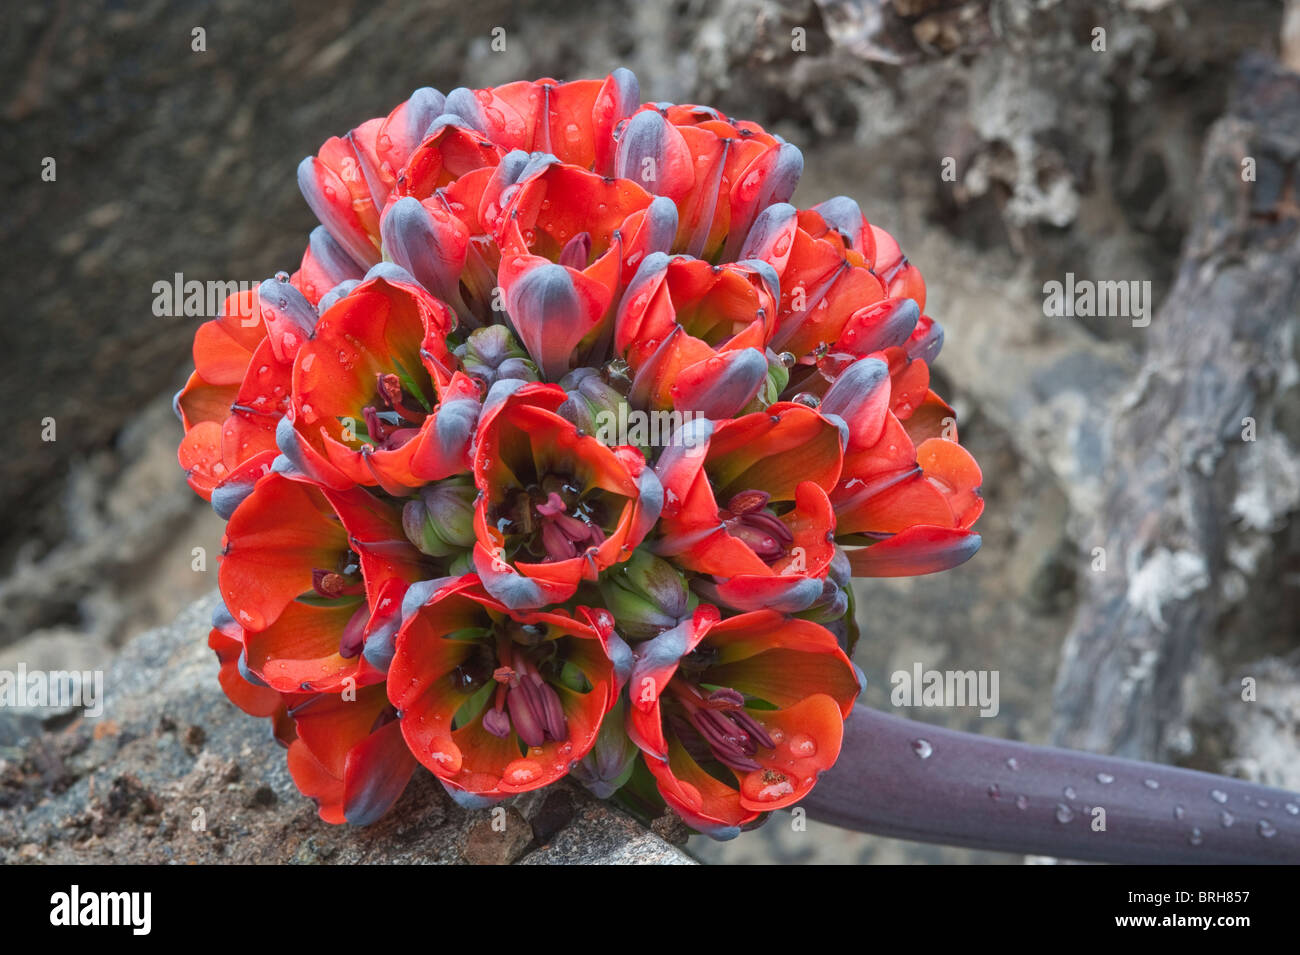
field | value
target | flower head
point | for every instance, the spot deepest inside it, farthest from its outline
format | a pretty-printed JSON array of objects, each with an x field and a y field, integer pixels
[{"x": 560, "y": 446}]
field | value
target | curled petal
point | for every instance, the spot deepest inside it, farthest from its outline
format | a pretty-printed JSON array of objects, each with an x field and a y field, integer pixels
[
  {"x": 719, "y": 387},
  {"x": 428, "y": 242},
  {"x": 920, "y": 549},
  {"x": 553, "y": 308},
  {"x": 881, "y": 325},
  {"x": 289, "y": 318},
  {"x": 860, "y": 396},
  {"x": 652, "y": 152}
]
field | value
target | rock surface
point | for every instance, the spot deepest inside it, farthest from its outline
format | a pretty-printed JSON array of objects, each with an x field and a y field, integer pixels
[{"x": 173, "y": 773}]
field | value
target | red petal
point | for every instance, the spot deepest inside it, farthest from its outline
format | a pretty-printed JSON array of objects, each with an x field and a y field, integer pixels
[{"x": 918, "y": 550}]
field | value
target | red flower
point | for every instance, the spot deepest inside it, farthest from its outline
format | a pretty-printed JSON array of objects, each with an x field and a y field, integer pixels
[
  {"x": 760, "y": 697},
  {"x": 311, "y": 575},
  {"x": 495, "y": 702},
  {"x": 349, "y": 755},
  {"x": 231, "y": 403},
  {"x": 694, "y": 334},
  {"x": 770, "y": 541},
  {"x": 555, "y": 507},
  {"x": 374, "y": 399}
]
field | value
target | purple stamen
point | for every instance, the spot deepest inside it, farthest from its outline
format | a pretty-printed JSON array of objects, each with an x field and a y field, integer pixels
[
  {"x": 722, "y": 724},
  {"x": 535, "y": 708},
  {"x": 563, "y": 535},
  {"x": 552, "y": 506},
  {"x": 497, "y": 723},
  {"x": 753, "y": 729},
  {"x": 576, "y": 251},
  {"x": 764, "y": 533},
  {"x": 354, "y": 634},
  {"x": 525, "y": 714},
  {"x": 726, "y": 697}
]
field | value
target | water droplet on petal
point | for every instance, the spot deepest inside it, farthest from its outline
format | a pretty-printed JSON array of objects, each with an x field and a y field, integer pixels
[
  {"x": 766, "y": 785},
  {"x": 1012, "y": 764},
  {"x": 1195, "y": 838},
  {"x": 1063, "y": 813},
  {"x": 1218, "y": 795},
  {"x": 1151, "y": 783},
  {"x": 922, "y": 748},
  {"x": 1105, "y": 778},
  {"x": 521, "y": 772},
  {"x": 802, "y": 746},
  {"x": 1227, "y": 818},
  {"x": 1069, "y": 792},
  {"x": 1267, "y": 829}
]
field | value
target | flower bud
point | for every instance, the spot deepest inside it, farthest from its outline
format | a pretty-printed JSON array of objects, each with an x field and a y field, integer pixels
[
  {"x": 830, "y": 606},
  {"x": 611, "y": 760},
  {"x": 440, "y": 522},
  {"x": 593, "y": 404},
  {"x": 493, "y": 354},
  {"x": 646, "y": 595}
]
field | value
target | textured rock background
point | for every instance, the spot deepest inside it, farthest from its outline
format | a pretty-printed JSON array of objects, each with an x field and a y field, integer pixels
[{"x": 1066, "y": 159}]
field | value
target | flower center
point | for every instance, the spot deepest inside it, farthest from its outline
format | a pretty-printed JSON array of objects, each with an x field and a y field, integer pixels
[
  {"x": 526, "y": 702},
  {"x": 552, "y": 520},
  {"x": 396, "y": 415},
  {"x": 716, "y": 724},
  {"x": 747, "y": 518}
]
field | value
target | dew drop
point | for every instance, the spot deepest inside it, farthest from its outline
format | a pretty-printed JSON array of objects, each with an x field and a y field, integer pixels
[
  {"x": 1218, "y": 795},
  {"x": 922, "y": 748},
  {"x": 1105, "y": 778},
  {"x": 1196, "y": 838},
  {"x": 1012, "y": 764},
  {"x": 1069, "y": 792},
  {"x": 765, "y": 785},
  {"x": 1179, "y": 812},
  {"x": 522, "y": 771},
  {"x": 1063, "y": 813},
  {"x": 1022, "y": 802},
  {"x": 802, "y": 746},
  {"x": 1227, "y": 818},
  {"x": 995, "y": 792},
  {"x": 1292, "y": 808},
  {"x": 1267, "y": 829},
  {"x": 1151, "y": 783}
]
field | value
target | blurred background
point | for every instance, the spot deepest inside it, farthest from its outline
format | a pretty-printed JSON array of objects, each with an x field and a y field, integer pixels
[{"x": 1004, "y": 142}]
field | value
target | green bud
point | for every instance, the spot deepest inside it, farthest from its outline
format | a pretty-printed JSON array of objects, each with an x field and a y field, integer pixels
[
  {"x": 646, "y": 595},
  {"x": 492, "y": 353},
  {"x": 440, "y": 521}
]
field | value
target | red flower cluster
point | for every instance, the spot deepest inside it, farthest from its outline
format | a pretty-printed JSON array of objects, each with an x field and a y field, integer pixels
[{"x": 560, "y": 448}]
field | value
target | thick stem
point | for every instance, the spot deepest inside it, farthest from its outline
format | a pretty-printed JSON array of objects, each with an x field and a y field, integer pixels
[{"x": 900, "y": 778}]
